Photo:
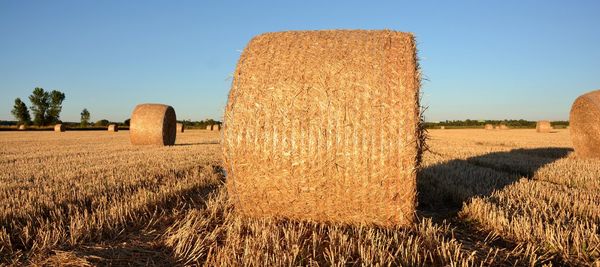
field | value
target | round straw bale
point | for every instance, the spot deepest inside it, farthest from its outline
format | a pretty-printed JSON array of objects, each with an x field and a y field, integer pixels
[
  {"x": 489, "y": 127},
  {"x": 209, "y": 127},
  {"x": 180, "y": 127},
  {"x": 543, "y": 127},
  {"x": 585, "y": 125},
  {"x": 153, "y": 124},
  {"x": 22, "y": 127},
  {"x": 325, "y": 126},
  {"x": 442, "y": 127},
  {"x": 216, "y": 127},
  {"x": 113, "y": 128},
  {"x": 59, "y": 128},
  {"x": 503, "y": 127}
]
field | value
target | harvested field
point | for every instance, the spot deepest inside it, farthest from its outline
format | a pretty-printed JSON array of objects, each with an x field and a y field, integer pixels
[{"x": 499, "y": 198}]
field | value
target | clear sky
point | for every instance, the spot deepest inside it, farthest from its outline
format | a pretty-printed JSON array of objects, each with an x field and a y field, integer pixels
[{"x": 482, "y": 59}]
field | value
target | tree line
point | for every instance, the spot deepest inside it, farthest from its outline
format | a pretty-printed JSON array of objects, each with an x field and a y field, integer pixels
[
  {"x": 46, "y": 107},
  {"x": 468, "y": 123}
]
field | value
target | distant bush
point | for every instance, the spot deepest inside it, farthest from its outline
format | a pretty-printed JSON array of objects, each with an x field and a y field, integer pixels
[{"x": 102, "y": 123}]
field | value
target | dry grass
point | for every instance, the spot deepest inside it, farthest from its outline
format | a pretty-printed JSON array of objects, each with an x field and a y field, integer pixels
[{"x": 485, "y": 198}]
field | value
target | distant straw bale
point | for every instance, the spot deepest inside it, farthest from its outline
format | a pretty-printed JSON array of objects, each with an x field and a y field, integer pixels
[
  {"x": 153, "y": 124},
  {"x": 113, "y": 128},
  {"x": 585, "y": 125},
  {"x": 209, "y": 127},
  {"x": 216, "y": 127},
  {"x": 180, "y": 127},
  {"x": 442, "y": 127},
  {"x": 59, "y": 128},
  {"x": 543, "y": 127},
  {"x": 489, "y": 127},
  {"x": 325, "y": 126},
  {"x": 22, "y": 127},
  {"x": 503, "y": 127}
]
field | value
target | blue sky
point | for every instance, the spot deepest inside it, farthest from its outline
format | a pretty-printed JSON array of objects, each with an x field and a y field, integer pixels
[{"x": 482, "y": 59}]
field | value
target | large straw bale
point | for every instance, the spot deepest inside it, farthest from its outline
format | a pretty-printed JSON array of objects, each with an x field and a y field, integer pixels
[
  {"x": 489, "y": 127},
  {"x": 585, "y": 125},
  {"x": 180, "y": 127},
  {"x": 113, "y": 128},
  {"x": 59, "y": 128},
  {"x": 153, "y": 124},
  {"x": 543, "y": 127},
  {"x": 325, "y": 126}
]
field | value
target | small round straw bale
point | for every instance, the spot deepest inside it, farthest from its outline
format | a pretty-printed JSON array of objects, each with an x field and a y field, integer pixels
[
  {"x": 153, "y": 124},
  {"x": 489, "y": 127},
  {"x": 209, "y": 127},
  {"x": 216, "y": 127},
  {"x": 442, "y": 127},
  {"x": 543, "y": 127},
  {"x": 503, "y": 127},
  {"x": 22, "y": 127},
  {"x": 113, "y": 128},
  {"x": 59, "y": 128},
  {"x": 180, "y": 127},
  {"x": 585, "y": 125}
]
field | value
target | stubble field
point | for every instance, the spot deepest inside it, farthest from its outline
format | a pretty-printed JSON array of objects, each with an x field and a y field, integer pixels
[{"x": 511, "y": 197}]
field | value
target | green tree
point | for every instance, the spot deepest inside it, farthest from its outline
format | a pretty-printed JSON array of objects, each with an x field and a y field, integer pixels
[
  {"x": 21, "y": 112},
  {"x": 40, "y": 102},
  {"x": 85, "y": 117},
  {"x": 127, "y": 121},
  {"x": 53, "y": 112}
]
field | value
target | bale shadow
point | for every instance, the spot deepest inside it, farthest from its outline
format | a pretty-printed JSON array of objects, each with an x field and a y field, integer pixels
[{"x": 443, "y": 187}]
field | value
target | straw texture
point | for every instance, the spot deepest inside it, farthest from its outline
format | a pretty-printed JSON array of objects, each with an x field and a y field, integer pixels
[
  {"x": 543, "y": 127},
  {"x": 153, "y": 124},
  {"x": 585, "y": 125},
  {"x": 180, "y": 127},
  {"x": 59, "y": 128},
  {"x": 113, "y": 128},
  {"x": 325, "y": 126}
]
